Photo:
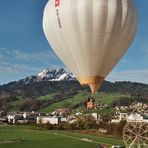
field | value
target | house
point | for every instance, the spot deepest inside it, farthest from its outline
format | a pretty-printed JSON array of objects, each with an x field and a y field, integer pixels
[
  {"x": 137, "y": 118},
  {"x": 61, "y": 112},
  {"x": 30, "y": 117},
  {"x": 14, "y": 117},
  {"x": 48, "y": 119},
  {"x": 134, "y": 117}
]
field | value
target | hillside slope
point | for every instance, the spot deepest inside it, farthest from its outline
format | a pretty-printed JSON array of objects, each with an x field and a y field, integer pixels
[{"x": 56, "y": 86}]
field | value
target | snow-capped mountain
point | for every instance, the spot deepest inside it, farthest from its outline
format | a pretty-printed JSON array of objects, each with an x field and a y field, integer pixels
[{"x": 58, "y": 74}]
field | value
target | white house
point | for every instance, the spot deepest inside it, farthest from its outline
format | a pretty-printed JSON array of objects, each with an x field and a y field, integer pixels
[
  {"x": 130, "y": 118},
  {"x": 14, "y": 118},
  {"x": 47, "y": 119},
  {"x": 136, "y": 118}
]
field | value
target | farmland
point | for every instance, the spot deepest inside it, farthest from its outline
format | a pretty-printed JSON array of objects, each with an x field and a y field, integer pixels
[{"x": 24, "y": 137}]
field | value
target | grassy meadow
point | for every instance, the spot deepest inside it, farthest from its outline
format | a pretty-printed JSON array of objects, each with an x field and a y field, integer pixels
[
  {"x": 24, "y": 137},
  {"x": 105, "y": 98}
]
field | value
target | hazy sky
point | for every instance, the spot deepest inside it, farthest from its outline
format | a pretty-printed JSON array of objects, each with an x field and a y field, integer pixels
[{"x": 24, "y": 50}]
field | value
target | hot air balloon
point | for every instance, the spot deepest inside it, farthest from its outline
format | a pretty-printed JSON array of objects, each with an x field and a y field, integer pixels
[{"x": 90, "y": 36}]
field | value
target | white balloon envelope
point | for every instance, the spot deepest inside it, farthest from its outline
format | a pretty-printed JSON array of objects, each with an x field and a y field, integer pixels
[{"x": 90, "y": 36}]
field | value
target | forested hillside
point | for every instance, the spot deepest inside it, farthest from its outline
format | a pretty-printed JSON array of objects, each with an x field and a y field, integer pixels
[{"x": 43, "y": 94}]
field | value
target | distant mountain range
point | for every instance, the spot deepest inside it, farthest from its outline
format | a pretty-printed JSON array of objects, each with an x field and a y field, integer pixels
[
  {"x": 58, "y": 74},
  {"x": 24, "y": 94}
]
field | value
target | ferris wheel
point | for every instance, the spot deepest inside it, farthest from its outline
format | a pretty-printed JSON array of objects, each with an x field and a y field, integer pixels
[{"x": 135, "y": 135}]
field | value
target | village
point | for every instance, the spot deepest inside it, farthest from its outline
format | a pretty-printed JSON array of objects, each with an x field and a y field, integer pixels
[{"x": 133, "y": 113}]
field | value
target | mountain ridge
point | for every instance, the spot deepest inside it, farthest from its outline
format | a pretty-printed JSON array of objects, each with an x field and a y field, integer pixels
[
  {"x": 24, "y": 94},
  {"x": 58, "y": 74},
  {"x": 59, "y": 79}
]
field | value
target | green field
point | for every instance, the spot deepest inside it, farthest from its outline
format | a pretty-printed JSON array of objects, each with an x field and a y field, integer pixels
[
  {"x": 46, "y": 97},
  {"x": 68, "y": 102},
  {"x": 24, "y": 137},
  {"x": 105, "y": 98}
]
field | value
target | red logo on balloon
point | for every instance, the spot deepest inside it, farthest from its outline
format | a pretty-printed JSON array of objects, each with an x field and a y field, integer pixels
[{"x": 57, "y": 3}]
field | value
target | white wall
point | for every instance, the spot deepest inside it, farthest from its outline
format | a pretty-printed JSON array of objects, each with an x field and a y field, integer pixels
[{"x": 44, "y": 120}]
